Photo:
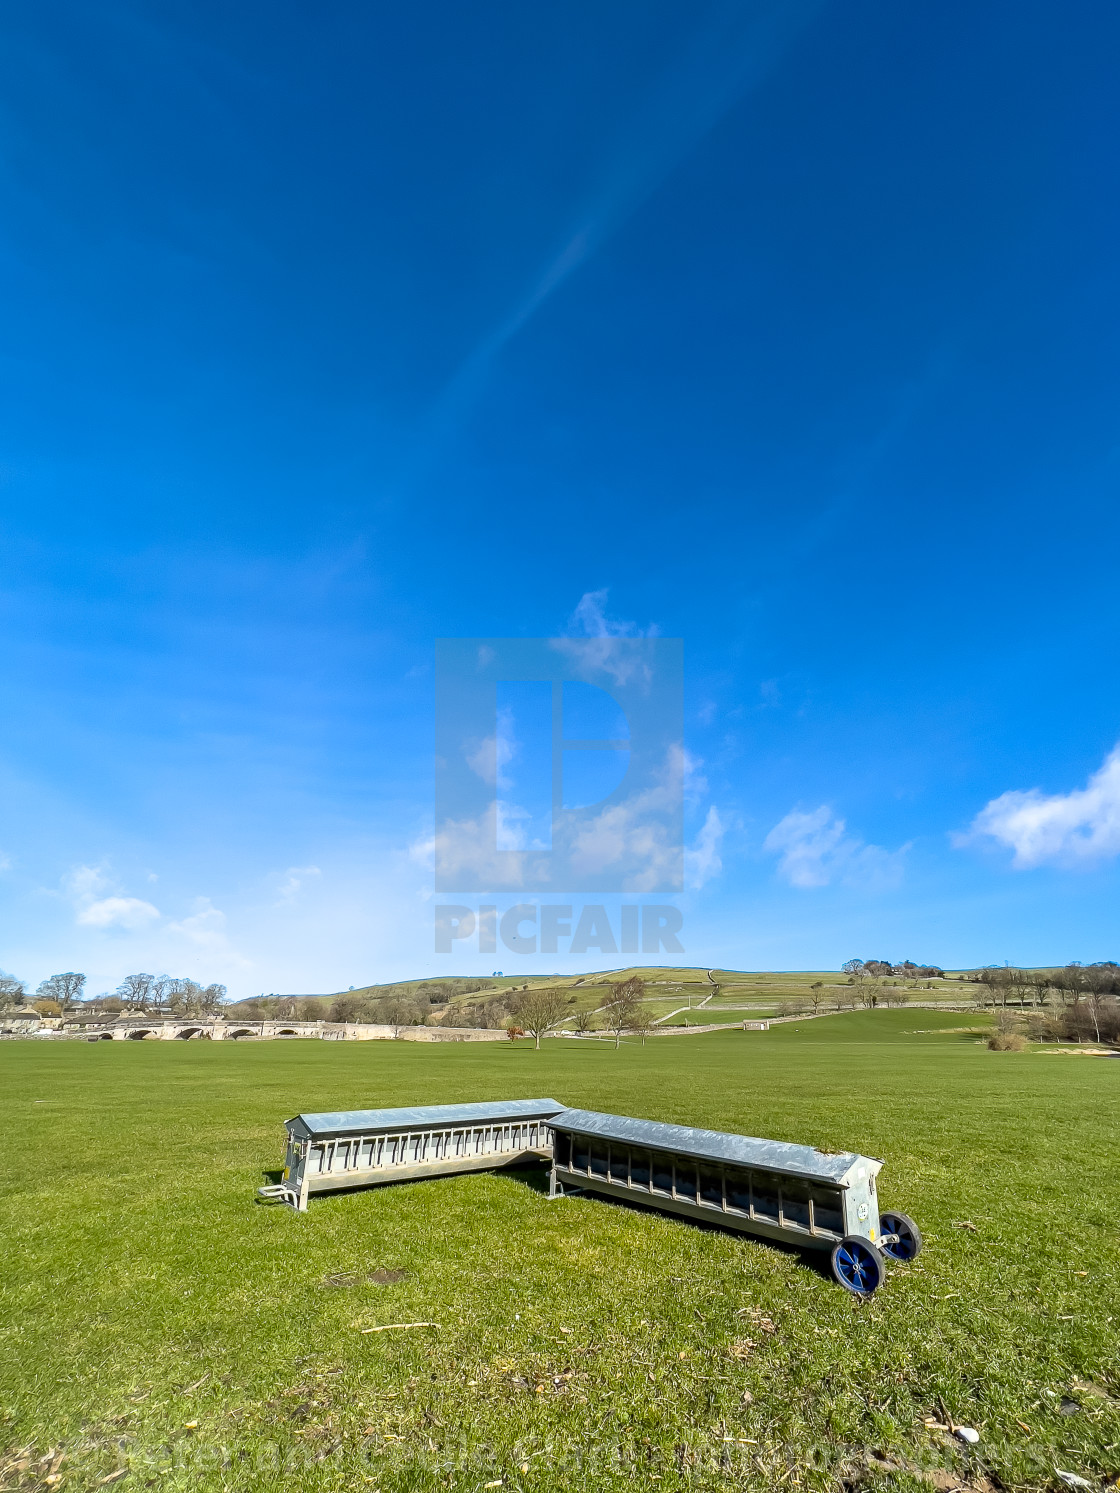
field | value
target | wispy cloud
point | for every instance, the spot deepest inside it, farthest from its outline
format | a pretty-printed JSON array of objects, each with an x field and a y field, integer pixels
[
  {"x": 600, "y": 646},
  {"x": 637, "y": 839},
  {"x": 119, "y": 912},
  {"x": 88, "y": 886},
  {"x": 489, "y": 758},
  {"x": 590, "y": 620},
  {"x": 468, "y": 850},
  {"x": 815, "y": 849},
  {"x": 204, "y": 930},
  {"x": 702, "y": 862},
  {"x": 727, "y": 56},
  {"x": 294, "y": 879},
  {"x": 1069, "y": 829}
]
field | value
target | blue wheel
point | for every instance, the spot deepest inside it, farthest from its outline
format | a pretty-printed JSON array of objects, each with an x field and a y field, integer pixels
[
  {"x": 857, "y": 1265},
  {"x": 907, "y": 1241}
]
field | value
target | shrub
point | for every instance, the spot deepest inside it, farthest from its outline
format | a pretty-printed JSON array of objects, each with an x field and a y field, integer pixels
[{"x": 1006, "y": 1042}]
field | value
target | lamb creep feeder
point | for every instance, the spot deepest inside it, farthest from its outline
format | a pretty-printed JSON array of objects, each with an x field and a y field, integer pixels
[
  {"x": 368, "y": 1147},
  {"x": 794, "y": 1194}
]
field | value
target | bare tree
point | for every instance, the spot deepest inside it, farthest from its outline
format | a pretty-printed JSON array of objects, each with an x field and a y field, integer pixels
[
  {"x": 792, "y": 1008},
  {"x": 619, "y": 1004},
  {"x": 211, "y": 1000},
  {"x": 641, "y": 1020},
  {"x": 540, "y": 1011},
  {"x": 158, "y": 993},
  {"x": 347, "y": 1007},
  {"x": 183, "y": 997},
  {"x": 856, "y": 971},
  {"x": 13, "y": 992},
  {"x": 65, "y": 989},
  {"x": 1098, "y": 981},
  {"x": 816, "y": 995},
  {"x": 1070, "y": 982},
  {"x": 633, "y": 988},
  {"x": 1001, "y": 983},
  {"x": 1020, "y": 983},
  {"x": 401, "y": 1010},
  {"x": 582, "y": 1022},
  {"x": 136, "y": 991}
]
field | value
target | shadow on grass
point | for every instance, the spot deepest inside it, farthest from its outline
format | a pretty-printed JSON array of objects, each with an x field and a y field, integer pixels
[
  {"x": 535, "y": 1178},
  {"x": 817, "y": 1260}
]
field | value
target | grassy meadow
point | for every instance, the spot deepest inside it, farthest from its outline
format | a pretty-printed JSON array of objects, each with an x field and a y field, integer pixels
[{"x": 159, "y": 1328}]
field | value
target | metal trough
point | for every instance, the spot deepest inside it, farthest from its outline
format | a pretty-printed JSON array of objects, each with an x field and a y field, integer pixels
[
  {"x": 367, "y": 1147},
  {"x": 796, "y": 1194}
]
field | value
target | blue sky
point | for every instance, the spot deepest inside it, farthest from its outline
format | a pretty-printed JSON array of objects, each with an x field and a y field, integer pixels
[{"x": 785, "y": 329}]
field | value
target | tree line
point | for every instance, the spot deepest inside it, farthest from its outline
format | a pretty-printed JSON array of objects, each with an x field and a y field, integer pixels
[
  {"x": 144, "y": 994},
  {"x": 1004, "y": 985},
  {"x": 906, "y": 970},
  {"x": 1077, "y": 1003},
  {"x": 867, "y": 993},
  {"x": 535, "y": 1013},
  {"x": 531, "y": 1012},
  {"x": 870, "y": 982},
  {"x": 396, "y": 1005}
]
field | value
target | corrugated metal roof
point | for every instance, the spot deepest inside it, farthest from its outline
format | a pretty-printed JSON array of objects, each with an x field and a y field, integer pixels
[
  {"x": 425, "y": 1116},
  {"x": 715, "y": 1145}
]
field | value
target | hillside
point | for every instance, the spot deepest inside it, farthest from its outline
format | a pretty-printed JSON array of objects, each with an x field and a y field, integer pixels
[{"x": 668, "y": 989}]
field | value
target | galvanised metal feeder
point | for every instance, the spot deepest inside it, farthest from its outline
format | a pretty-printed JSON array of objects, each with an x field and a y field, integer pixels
[
  {"x": 794, "y": 1194},
  {"x": 369, "y": 1147}
]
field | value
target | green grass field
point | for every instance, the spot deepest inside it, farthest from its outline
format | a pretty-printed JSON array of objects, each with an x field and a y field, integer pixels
[{"x": 160, "y": 1324}]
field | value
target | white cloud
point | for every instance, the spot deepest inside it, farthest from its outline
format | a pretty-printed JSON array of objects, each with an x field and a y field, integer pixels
[
  {"x": 85, "y": 884},
  {"x": 806, "y": 843},
  {"x": 638, "y": 838},
  {"x": 469, "y": 849},
  {"x": 1070, "y": 829},
  {"x": 294, "y": 878},
  {"x": 702, "y": 862},
  {"x": 205, "y": 926},
  {"x": 599, "y": 642},
  {"x": 693, "y": 781},
  {"x": 118, "y": 912},
  {"x": 205, "y": 930},
  {"x": 422, "y": 852},
  {"x": 815, "y": 849},
  {"x": 489, "y": 758},
  {"x": 590, "y": 620}
]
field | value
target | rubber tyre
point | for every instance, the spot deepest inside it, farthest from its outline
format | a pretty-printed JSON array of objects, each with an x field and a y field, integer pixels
[
  {"x": 858, "y": 1265},
  {"x": 909, "y": 1237}
]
